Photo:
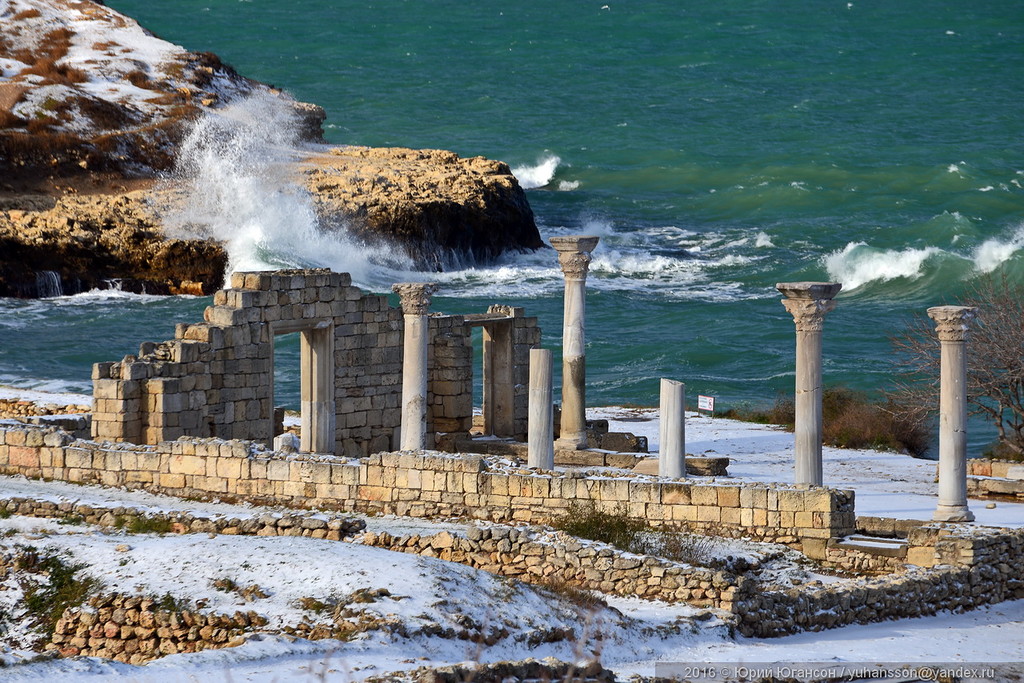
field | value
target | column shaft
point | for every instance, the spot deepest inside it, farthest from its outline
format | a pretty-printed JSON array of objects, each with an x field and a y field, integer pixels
[
  {"x": 951, "y": 326},
  {"x": 672, "y": 430},
  {"x": 540, "y": 439},
  {"x": 574, "y": 258},
  {"x": 574, "y": 366},
  {"x": 808, "y": 302},
  {"x": 414, "y": 384},
  {"x": 415, "y": 301},
  {"x": 807, "y": 403}
]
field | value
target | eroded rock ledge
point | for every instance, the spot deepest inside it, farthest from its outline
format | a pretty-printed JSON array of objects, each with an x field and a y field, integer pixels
[{"x": 433, "y": 202}]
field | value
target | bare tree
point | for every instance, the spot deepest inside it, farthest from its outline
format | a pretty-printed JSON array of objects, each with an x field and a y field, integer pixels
[{"x": 995, "y": 362}]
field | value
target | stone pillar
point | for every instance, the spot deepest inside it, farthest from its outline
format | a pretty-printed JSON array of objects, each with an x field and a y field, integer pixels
[
  {"x": 540, "y": 439},
  {"x": 574, "y": 257},
  {"x": 415, "y": 301},
  {"x": 952, "y": 324},
  {"x": 672, "y": 430},
  {"x": 808, "y": 302}
]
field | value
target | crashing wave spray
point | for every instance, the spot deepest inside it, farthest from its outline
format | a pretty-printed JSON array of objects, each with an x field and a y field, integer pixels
[
  {"x": 539, "y": 175},
  {"x": 238, "y": 168}
]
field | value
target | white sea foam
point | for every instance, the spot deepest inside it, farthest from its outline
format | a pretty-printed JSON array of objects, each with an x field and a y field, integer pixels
[
  {"x": 763, "y": 240},
  {"x": 538, "y": 175},
  {"x": 568, "y": 185},
  {"x": 992, "y": 253},
  {"x": 242, "y": 192},
  {"x": 857, "y": 264}
]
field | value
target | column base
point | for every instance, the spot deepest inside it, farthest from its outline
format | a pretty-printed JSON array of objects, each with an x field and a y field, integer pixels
[
  {"x": 953, "y": 513},
  {"x": 571, "y": 444}
]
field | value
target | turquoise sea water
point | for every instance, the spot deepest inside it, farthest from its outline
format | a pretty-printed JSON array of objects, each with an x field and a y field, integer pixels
[{"x": 716, "y": 148}]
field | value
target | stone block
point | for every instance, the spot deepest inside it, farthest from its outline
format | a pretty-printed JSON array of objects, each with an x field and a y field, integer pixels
[
  {"x": 187, "y": 464},
  {"x": 754, "y": 497},
  {"x": 728, "y": 496},
  {"x": 684, "y": 513},
  {"x": 709, "y": 513},
  {"x": 278, "y": 470},
  {"x": 731, "y": 516},
  {"x": 704, "y": 495},
  {"x": 791, "y": 500},
  {"x": 675, "y": 494},
  {"x": 616, "y": 490},
  {"x": 78, "y": 458},
  {"x": 230, "y": 468},
  {"x": 922, "y": 556},
  {"x": 172, "y": 481}
]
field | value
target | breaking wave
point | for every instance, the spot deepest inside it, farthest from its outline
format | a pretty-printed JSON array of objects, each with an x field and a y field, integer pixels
[
  {"x": 859, "y": 264},
  {"x": 540, "y": 174},
  {"x": 238, "y": 170}
]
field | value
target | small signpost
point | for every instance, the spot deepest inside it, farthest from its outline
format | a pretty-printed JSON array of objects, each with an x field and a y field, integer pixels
[{"x": 706, "y": 403}]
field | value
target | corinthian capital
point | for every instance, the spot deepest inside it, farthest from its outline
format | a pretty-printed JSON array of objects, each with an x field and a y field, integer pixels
[
  {"x": 808, "y": 302},
  {"x": 952, "y": 323},
  {"x": 574, "y": 254},
  {"x": 415, "y": 296},
  {"x": 809, "y": 314}
]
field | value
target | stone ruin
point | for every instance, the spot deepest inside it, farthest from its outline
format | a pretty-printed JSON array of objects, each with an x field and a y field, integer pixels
[
  {"x": 216, "y": 378},
  {"x": 195, "y": 417}
]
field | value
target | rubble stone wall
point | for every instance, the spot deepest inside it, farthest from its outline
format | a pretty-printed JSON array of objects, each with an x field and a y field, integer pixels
[{"x": 552, "y": 558}]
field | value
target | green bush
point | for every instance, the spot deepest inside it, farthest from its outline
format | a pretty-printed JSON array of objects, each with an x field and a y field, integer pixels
[{"x": 64, "y": 587}]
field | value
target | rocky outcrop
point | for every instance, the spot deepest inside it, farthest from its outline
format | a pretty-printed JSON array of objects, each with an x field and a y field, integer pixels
[
  {"x": 433, "y": 202},
  {"x": 85, "y": 116},
  {"x": 102, "y": 242}
]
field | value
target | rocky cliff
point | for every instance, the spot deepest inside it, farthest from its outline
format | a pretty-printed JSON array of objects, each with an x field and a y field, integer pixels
[{"x": 93, "y": 108}]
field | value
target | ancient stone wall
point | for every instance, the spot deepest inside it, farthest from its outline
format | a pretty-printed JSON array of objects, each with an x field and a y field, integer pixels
[
  {"x": 216, "y": 378},
  {"x": 427, "y": 484},
  {"x": 552, "y": 558},
  {"x": 136, "y": 630},
  {"x": 450, "y": 369},
  {"x": 947, "y": 567},
  {"x": 333, "y": 528}
]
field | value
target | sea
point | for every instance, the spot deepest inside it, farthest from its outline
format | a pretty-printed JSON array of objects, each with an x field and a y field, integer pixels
[{"x": 715, "y": 148}]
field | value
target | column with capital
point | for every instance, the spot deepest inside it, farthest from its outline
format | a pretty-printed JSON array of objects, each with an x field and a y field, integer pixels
[
  {"x": 415, "y": 302},
  {"x": 574, "y": 258},
  {"x": 808, "y": 302},
  {"x": 952, "y": 324}
]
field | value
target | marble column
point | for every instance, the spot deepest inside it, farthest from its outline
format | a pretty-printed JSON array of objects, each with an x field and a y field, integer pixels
[
  {"x": 952, "y": 324},
  {"x": 574, "y": 257},
  {"x": 808, "y": 302},
  {"x": 540, "y": 437},
  {"x": 415, "y": 302},
  {"x": 672, "y": 430}
]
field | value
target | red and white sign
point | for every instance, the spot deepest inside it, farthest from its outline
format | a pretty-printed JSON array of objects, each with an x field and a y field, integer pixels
[{"x": 706, "y": 403}]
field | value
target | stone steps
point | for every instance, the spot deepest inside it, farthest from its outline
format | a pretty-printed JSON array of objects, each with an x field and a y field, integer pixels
[{"x": 874, "y": 545}]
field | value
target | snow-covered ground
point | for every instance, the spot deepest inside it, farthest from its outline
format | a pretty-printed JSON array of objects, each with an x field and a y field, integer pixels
[
  {"x": 112, "y": 60},
  {"x": 631, "y": 635}
]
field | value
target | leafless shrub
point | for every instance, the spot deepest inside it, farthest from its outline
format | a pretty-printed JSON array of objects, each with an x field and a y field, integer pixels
[{"x": 995, "y": 363}]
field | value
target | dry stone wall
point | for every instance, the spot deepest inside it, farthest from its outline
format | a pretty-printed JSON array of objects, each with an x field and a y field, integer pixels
[
  {"x": 135, "y": 630},
  {"x": 553, "y": 558},
  {"x": 331, "y": 527},
  {"x": 959, "y": 567}
]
